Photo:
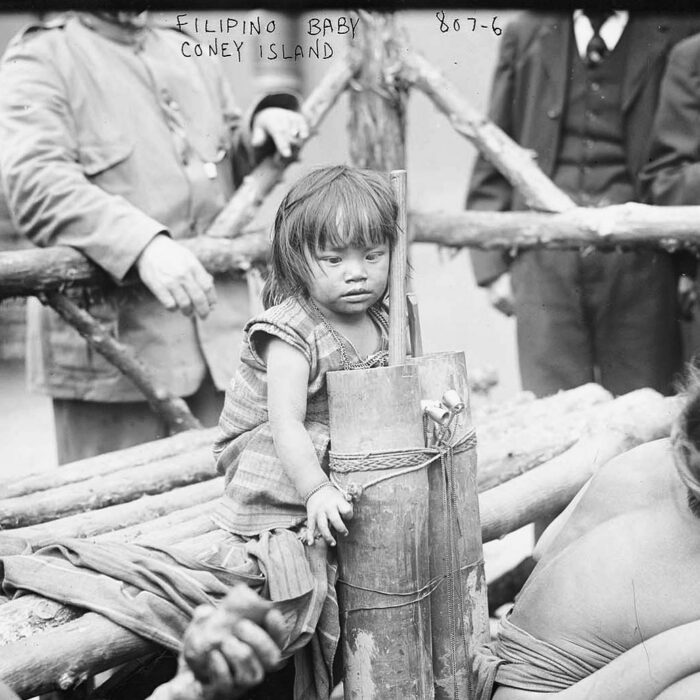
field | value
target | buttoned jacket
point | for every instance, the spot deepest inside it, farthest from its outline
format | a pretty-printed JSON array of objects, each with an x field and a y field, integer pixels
[
  {"x": 108, "y": 139},
  {"x": 528, "y": 98}
]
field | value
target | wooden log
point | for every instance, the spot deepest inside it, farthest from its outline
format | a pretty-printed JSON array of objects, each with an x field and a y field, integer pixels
[
  {"x": 620, "y": 226},
  {"x": 127, "y": 520},
  {"x": 255, "y": 187},
  {"x": 518, "y": 439},
  {"x": 65, "y": 656},
  {"x": 175, "y": 527},
  {"x": 384, "y": 561},
  {"x": 32, "y": 271},
  {"x": 172, "y": 409},
  {"x": 635, "y": 418},
  {"x": 378, "y": 98},
  {"x": 138, "y": 455},
  {"x": 35, "y": 270},
  {"x": 118, "y": 487},
  {"x": 458, "y": 606},
  {"x": 517, "y": 164}
]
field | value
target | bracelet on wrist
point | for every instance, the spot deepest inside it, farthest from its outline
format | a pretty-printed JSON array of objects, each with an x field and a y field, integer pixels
[{"x": 315, "y": 489}]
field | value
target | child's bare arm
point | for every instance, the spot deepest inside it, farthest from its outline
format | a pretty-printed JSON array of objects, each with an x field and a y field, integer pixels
[{"x": 287, "y": 382}]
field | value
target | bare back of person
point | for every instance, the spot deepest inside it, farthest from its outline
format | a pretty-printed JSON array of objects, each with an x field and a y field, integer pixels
[{"x": 622, "y": 569}]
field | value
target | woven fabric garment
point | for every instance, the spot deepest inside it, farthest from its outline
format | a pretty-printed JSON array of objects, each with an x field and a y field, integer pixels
[
  {"x": 154, "y": 591},
  {"x": 259, "y": 494}
]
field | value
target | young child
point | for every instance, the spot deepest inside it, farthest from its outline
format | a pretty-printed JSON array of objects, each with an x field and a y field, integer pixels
[{"x": 332, "y": 242}]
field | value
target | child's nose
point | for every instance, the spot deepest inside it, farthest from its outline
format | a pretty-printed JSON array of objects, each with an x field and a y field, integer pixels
[{"x": 355, "y": 271}]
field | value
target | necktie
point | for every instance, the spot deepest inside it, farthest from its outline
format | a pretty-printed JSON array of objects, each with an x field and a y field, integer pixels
[{"x": 596, "y": 50}]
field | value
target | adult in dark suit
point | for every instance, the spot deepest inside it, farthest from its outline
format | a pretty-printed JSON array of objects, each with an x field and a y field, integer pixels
[
  {"x": 586, "y": 110},
  {"x": 672, "y": 177}
]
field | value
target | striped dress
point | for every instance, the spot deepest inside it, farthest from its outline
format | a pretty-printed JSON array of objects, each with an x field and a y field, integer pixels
[{"x": 259, "y": 495}]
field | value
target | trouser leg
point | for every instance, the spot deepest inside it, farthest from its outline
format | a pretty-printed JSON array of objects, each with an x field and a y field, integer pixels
[
  {"x": 554, "y": 343},
  {"x": 636, "y": 328}
]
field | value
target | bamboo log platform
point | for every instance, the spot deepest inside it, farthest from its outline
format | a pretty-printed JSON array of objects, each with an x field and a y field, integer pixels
[
  {"x": 38, "y": 636},
  {"x": 84, "y": 469},
  {"x": 130, "y": 520},
  {"x": 118, "y": 487}
]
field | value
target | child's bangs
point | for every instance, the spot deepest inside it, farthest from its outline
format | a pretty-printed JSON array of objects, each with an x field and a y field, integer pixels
[{"x": 353, "y": 217}]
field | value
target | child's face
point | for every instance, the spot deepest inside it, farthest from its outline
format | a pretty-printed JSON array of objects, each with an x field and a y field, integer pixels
[{"x": 347, "y": 281}]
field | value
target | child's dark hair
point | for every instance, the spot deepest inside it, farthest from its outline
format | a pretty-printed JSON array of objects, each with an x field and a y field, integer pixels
[
  {"x": 685, "y": 438},
  {"x": 331, "y": 207}
]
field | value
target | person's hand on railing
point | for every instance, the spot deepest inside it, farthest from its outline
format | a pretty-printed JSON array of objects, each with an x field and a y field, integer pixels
[
  {"x": 177, "y": 279},
  {"x": 286, "y": 128},
  {"x": 500, "y": 294}
]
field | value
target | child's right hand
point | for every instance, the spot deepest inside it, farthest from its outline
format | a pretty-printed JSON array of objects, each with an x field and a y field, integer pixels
[{"x": 324, "y": 508}]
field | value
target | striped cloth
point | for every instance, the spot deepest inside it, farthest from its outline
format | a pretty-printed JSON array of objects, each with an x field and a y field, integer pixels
[
  {"x": 153, "y": 591},
  {"x": 259, "y": 494}
]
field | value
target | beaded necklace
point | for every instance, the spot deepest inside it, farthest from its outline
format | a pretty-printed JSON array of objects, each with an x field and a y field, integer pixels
[{"x": 376, "y": 359}]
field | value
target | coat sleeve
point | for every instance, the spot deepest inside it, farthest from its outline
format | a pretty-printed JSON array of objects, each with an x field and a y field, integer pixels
[
  {"x": 488, "y": 189},
  {"x": 49, "y": 193},
  {"x": 672, "y": 176}
]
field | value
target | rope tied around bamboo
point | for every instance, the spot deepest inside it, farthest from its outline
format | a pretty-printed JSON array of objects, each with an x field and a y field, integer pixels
[
  {"x": 394, "y": 463},
  {"x": 417, "y": 594},
  {"x": 399, "y": 462}
]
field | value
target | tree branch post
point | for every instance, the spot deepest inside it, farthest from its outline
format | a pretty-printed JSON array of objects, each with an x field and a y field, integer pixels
[
  {"x": 171, "y": 408},
  {"x": 514, "y": 162}
]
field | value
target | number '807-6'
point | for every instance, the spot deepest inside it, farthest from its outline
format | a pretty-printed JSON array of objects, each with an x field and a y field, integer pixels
[{"x": 470, "y": 23}]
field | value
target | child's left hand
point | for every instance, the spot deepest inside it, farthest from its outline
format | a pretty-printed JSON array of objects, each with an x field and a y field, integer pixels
[{"x": 327, "y": 507}]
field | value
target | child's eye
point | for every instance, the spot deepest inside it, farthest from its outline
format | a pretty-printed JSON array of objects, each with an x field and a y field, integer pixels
[
  {"x": 375, "y": 255},
  {"x": 331, "y": 259}
]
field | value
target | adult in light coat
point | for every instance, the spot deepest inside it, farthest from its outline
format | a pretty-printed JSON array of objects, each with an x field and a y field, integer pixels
[{"x": 116, "y": 144}]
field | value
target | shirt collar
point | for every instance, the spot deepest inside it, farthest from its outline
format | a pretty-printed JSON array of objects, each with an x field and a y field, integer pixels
[{"x": 620, "y": 16}]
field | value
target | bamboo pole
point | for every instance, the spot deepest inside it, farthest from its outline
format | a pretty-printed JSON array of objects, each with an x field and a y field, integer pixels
[
  {"x": 458, "y": 606},
  {"x": 172, "y": 409},
  {"x": 138, "y": 455},
  {"x": 398, "y": 320},
  {"x": 127, "y": 520},
  {"x": 119, "y": 487},
  {"x": 635, "y": 418},
  {"x": 517, "y": 164},
  {"x": 620, "y": 225},
  {"x": 384, "y": 561},
  {"x": 249, "y": 196},
  {"x": 378, "y": 97}
]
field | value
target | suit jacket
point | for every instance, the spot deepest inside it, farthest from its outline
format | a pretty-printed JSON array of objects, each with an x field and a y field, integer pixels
[
  {"x": 106, "y": 143},
  {"x": 528, "y": 99},
  {"x": 672, "y": 176}
]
